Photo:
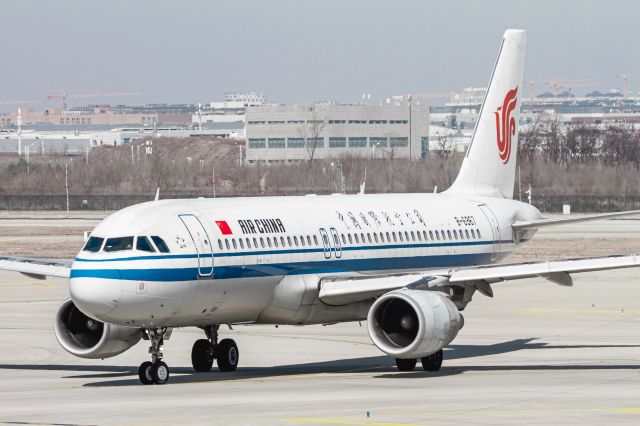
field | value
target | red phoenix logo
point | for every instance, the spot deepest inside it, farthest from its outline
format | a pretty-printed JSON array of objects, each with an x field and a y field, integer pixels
[{"x": 506, "y": 125}]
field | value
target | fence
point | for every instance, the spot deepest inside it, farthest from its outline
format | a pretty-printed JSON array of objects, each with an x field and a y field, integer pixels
[{"x": 551, "y": 203}]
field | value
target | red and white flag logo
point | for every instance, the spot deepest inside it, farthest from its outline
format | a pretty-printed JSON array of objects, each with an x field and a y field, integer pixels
[
  {"x": 224, "y": 227},
  {"x": 506, "y": 125}
]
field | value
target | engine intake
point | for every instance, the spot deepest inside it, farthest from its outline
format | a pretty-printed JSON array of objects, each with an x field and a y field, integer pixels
[
  {"x": 413, "y": 323},
  {"x": 86, "y": 337}
]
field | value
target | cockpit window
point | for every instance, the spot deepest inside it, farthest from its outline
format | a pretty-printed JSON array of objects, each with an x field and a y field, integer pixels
[
  {"x": 118, "y": 244},
  {"x": 162, "y": 246},
  {"x": 93, "y": 244},
  {"x": 143, "y": 244}
]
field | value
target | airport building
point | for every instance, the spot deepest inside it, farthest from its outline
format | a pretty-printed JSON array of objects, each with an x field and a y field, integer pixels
[{"x": 291, "y": 133}]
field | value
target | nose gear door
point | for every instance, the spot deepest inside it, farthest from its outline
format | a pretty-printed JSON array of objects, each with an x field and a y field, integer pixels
[{"x": 201, "y": 242}]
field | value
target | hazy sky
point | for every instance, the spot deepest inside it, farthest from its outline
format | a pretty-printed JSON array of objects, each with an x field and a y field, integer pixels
[{"x": 302, "y": 50}]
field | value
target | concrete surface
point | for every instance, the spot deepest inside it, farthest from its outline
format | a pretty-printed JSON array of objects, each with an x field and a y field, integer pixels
[{"x": 537, "y": 353}]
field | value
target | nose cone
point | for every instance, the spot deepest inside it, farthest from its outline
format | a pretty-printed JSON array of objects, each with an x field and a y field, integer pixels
[{"x": 95, "y": 297}]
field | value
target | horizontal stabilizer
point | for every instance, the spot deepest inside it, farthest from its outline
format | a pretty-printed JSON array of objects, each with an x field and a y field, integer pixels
[
  {"x": 36, "y": 268},
  {"x": 535, "y": 224}
]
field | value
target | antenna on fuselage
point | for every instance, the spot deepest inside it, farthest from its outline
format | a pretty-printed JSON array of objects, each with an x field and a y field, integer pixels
[{"x": 157, "y": 197}]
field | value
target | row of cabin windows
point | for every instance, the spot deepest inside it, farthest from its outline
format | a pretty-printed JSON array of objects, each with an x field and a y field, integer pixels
[
  {"x": 95, "y": 244},
  {"x": 370, "y": 237},
  {"x": 268, "y": 242}
]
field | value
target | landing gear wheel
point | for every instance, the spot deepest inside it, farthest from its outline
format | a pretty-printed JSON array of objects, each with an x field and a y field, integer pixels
[
  {"x": 432, "y": 362},
  {"x": 406, "y": 364},
  {"x": 144, "y": 373},
  {"x": 227, "y": 355},
  {"x": 159, "y": 373},
  {"x": 202, "y": 355}
]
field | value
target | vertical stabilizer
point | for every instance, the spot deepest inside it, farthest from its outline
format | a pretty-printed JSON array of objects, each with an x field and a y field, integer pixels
[{"x": 490, "y": 163}]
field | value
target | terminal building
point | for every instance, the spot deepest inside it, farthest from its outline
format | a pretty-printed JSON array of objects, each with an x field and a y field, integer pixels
[{"x": 292, "y": 133}]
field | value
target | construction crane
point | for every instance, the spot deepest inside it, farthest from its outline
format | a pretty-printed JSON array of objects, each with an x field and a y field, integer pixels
[{"x": 65, "y": 96}]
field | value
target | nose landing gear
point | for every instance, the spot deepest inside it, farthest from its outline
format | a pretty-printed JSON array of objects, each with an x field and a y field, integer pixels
[
  {"x": 204, "y": 351},
  {"x": 155, "y": 371}
]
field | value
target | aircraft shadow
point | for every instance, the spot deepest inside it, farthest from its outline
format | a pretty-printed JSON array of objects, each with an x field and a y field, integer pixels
[{"x": 384, "y": 365}]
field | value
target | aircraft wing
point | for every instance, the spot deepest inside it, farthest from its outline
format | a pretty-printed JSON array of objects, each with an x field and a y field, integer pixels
[
  {"x": 534, "y": 224},
  {"x": 36, "y": 268},
  {"x": 342, "y": 290}
]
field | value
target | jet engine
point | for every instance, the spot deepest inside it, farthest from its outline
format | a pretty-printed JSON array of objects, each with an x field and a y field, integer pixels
[
  {"x": 413, "y": 323},
  {"x": 85, "y": 337}
]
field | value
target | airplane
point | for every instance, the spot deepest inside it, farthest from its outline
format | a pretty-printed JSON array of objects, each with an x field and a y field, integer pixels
[{"x": 408, "y": 264}]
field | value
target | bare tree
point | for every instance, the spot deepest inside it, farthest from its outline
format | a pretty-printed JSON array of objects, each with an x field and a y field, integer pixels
[{"x": 311, "y": 131}]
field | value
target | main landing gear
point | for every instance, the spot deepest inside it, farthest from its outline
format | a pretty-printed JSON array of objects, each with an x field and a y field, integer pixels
[
  {"x": 204, "y": 351},
  {"x": 155, "y": 371},
  {"x": 431, "y": 362}
]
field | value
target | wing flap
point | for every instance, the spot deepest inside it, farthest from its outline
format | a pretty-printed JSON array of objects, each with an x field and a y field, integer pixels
[{"x": 36, "y": 268}]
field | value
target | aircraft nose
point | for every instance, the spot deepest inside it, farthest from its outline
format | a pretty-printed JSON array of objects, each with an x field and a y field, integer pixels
[{"x": 95, "y": 296}]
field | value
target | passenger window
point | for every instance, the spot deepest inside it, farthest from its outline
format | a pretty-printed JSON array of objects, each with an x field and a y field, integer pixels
[
  {"x": 424, "y": 234},
  {"x": 118, "y": 244},
  {"x": 93, "y": 244},
  {"x": 248, "y": 243},
  {"x": 478, "y": 233},
  {"x": 437, "y": 235},
  {"x": 255, "y": 243},
  {"x": 418, "y": 235},
  {"x": 350, "y": 240},
  {"x": 395, "y": 239},
  {"x": 473, "y": 234},
  {"x": 355, "y": 236},
  {"x": 226, "y": 243},
  {"x": 466, "y": 231},
  {"x": 241, "y": 243},
  {"x": 289, "y": 241},
  {"x": 369, "y": 237},
  {"x": 143, "y": 244},
  {"x": 388, "y": 239},
  {"x": 295, "y": 240},
  {"x": 235, "y": 246},
  {"x": 301, "y": 240},
  {"x": 308, "y": 240},
  {"x": 362, "y": 238},
  {"x": 449, "y": 234},
  {"x": 269, "y": 242},
  {"x": 261, "y": 242},
  {"x": 375, "y": 237},
  {"x": 315, "y": 239},
  {"x": 282, "y": 241},
  {"x": 406, "y": 235},
  {"x": 431, "y": 235},
  {"x": 220, "y": 244},
  {"x": 400, "y": 236},
  {"x": 344, "y": 240},
  {"x": 160, "y": 244},
  {"x": 275, "y": 241}
]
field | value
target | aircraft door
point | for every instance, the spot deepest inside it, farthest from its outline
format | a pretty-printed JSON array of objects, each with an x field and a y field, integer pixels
[
  {"x": 325, "y": 243},
  {"x": 201, "y": 242},
  {"x": 495, "y": 229},
  {"x": 337, "y": 248}
]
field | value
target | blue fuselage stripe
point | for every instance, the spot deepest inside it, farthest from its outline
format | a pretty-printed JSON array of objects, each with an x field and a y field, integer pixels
[{"x": 291, "y": 268}]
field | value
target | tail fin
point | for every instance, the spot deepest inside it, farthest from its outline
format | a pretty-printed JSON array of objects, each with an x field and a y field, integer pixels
[{"x": 490, "y": 163}]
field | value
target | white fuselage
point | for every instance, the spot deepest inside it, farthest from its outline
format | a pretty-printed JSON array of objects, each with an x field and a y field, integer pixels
[{"x": 259, "y": 260}]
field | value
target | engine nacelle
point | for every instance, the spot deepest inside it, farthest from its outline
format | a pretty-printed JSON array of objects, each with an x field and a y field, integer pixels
[
  {"x": 85, "y": 337},
  {"x": 413, "y": 323}
]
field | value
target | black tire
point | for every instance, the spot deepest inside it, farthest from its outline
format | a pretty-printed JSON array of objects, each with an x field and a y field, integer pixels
[
  {"x": 227, "y": 355},
  {"x": 406, "y": 364},
  {"x": 144, "y": 373},
  {"x": 202, "y": 355},
  {"x": 432, "y": 362},
  {"x": 159, "y": 373}
]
